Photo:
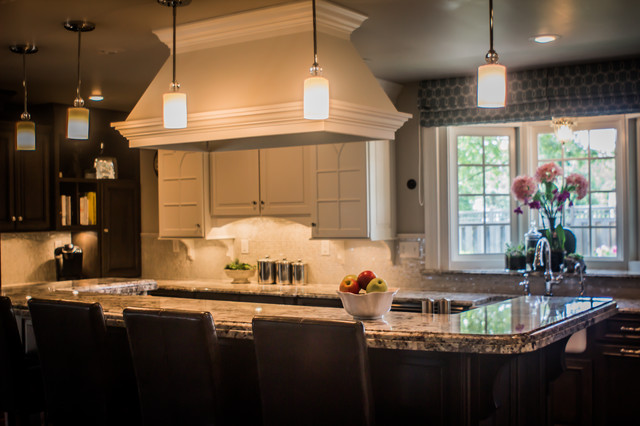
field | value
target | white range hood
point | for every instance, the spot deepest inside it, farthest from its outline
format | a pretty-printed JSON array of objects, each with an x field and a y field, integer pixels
[{"x": 243, "y": 75}]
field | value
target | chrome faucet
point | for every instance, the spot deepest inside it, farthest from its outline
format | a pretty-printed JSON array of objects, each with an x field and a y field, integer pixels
[{"x": 543, "y": 247}]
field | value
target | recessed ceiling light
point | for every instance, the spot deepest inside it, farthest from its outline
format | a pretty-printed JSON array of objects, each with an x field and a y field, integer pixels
[
  {"x": 545, "y": 38},
  {"x": 96, "y": 98}
]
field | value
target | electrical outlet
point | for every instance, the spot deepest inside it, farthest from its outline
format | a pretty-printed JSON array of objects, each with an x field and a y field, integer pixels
[
  {"x": 409, "y": 249},
  {"x": 324, "y": 248},
  {"x": 244, "y": 246}
]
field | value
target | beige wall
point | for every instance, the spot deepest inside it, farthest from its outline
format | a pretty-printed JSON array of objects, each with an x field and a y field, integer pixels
[{"x": 409, "y": 213}]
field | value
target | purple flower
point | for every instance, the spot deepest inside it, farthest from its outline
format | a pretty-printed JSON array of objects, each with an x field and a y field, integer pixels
[
  {"x": 534, "y": 205},
  {"x": 518, "y": 210}
]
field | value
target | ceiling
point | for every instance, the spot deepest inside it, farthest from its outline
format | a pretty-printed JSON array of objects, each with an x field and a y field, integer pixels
[{"x": 402, "y": 41}]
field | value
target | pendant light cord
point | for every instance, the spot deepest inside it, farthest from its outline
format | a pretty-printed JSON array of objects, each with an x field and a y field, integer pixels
[
  {"x": 79, "y": 82},
  {"x": 174, "y": 83},
  {"x": 315, "y": 41},
  {"x": 490, "y": 25},
  {"x": 25, "y": 114}
]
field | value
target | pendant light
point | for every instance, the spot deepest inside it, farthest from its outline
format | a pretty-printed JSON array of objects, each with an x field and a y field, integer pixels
[
  {"x": 492, "y": 77},
  {"x": 563, "y": 129},
  {"x": 25, "y": 128},
  {"x": 78, "y": 115},
  {"x": 316, "y": 87},
  {"x": 174, "y": 103}
]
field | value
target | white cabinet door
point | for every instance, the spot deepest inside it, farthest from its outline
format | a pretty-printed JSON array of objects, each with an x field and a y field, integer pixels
[
  {"x": 235, "y": 189},
  {"x": 341, "y": 191},
  {"x": 285, "y": 181},
  {"x": 274, "y": 182},
  {"x": 354, "y": 195},
  {"x": 181, "y": 193}
]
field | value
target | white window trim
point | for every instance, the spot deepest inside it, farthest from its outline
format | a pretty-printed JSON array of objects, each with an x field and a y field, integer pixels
[
  {"x": 479, "y": 261},
  {"x": 622, "y": 180},
  {"x": 436, "y": 186}
]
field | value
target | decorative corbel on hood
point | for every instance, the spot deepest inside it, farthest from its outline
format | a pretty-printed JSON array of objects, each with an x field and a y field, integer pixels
[{"x": 244, "y": 74}]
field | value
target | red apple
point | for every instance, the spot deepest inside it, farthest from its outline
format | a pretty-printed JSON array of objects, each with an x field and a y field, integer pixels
[
  {"x": 350, "y": 285},
  {"x": 352, "y": 276},
  {"x": 377, "y": 284},
  {"x": 364, "y": 277}
]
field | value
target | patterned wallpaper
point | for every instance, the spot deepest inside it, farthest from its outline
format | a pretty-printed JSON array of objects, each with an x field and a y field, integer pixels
[{"x": 575, "y": 90}]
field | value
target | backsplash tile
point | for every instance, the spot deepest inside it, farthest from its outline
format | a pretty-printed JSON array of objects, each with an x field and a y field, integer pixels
[
  {"x": 28, "y": 256},
  {"x": 276, "y": 238}
]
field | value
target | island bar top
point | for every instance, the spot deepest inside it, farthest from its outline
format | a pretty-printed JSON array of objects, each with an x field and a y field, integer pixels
[{"x": 518, "y": 325}]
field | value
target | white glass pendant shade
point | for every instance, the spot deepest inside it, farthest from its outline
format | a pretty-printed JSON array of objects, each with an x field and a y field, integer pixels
[
  {"x": 174, "y": 110},
  {"x": 492, "y": 86},
  {"x": 78, "y": 123},
  {"x": 316, "y": 98},
  {"x": 25, "y": 135},
  {"x": 564, "y": 133}
]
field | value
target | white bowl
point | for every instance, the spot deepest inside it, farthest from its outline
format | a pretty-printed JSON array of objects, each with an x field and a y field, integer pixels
[
  {"x": 367, "y": 305},
  {"x": 239, "y": 276}
]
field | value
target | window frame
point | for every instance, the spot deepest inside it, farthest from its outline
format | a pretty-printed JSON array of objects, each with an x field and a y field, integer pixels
[
  {"x": 530, "y": 163},
  {"x": 457, "y": 261}
]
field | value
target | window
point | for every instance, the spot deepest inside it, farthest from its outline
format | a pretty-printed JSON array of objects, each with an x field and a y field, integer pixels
[
  {"x": 482, "y": 163},
  {"x": 480, "y": 201},
  {"x": 593, "y": 153}
]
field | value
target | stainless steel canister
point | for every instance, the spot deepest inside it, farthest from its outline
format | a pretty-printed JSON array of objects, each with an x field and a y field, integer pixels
[
  {"x": 299, "y": 272},
  {"x": 266, "y": 271},
  {"x": 283, "y": 271}
]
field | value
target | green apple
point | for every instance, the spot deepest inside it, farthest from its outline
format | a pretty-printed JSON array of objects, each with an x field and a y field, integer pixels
[{"x": 377, "y": 284}]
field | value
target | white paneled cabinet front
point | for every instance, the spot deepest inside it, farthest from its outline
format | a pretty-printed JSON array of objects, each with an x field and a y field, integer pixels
[
  {"x": 354, "y": 195},
  {"x": 182, "y": 194},
  {"x": 268, "y": 182}
]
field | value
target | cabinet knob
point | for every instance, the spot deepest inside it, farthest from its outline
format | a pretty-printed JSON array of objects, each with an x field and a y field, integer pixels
[
  {"x": 262, "y": 202},
  {"x": 13, "y": 218},
  {"x": 254, "y": 203},
  {"x": 313, "y": 224},
  {"x": 106, "y": 230},
  {"x": 19, "y": 218},
  {"x": 197, "y": 225}
]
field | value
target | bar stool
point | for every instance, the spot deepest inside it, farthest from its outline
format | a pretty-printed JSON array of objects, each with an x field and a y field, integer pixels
[
  {"x": 72, "y": 345},
  {"x": 313, "y": 372},
  {"x": 21, "y": 393},
  {"x": 177, "y": 363}
]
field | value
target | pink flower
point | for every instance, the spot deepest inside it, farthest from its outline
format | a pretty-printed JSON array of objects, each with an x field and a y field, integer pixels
[
  {"x": 580, "y": 183},
  {"x": 524, "y": 187},
  {"x": 548, "y": 172}
]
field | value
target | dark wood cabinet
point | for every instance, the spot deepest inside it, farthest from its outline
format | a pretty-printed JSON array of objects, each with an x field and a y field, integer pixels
[
  {"x": 111, "y": 245},
  {"x": 617, "y": 370},
  {"x": 119, "y": 229},
  {"x": 24, "y": 182},
  {"x": 600, "y": 385}
]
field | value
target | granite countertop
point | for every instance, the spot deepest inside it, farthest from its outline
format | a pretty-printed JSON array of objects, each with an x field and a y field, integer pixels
[
  {"x": 517, "y": 325},
  {"x": 320, "y": 291}
]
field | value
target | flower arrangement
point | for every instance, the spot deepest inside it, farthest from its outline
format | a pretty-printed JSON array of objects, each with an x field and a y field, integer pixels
[{"x": 544, "y": 194}]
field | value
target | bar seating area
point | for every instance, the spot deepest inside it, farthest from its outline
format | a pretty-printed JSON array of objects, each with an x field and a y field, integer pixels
[
  {"x": 301, "y": 363},
  {"x": 21, "y": 392}
]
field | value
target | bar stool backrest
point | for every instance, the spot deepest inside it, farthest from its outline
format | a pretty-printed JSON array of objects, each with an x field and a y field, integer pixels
[
  {"x": 177, "y": 364},
  {"x": 72, "y": 345},
  {"x": 313, "y": 372}
]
